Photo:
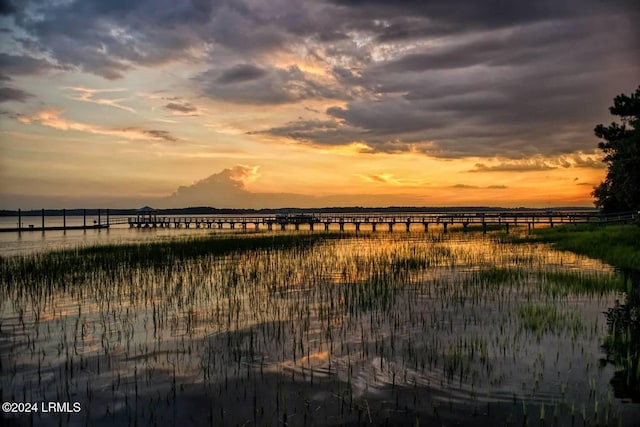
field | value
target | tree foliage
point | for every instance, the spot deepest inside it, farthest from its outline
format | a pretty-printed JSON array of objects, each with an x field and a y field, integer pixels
[{"x": 620, "y": 190}]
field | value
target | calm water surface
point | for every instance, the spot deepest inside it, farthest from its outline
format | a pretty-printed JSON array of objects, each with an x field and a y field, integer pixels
[
  {"x": 404, "y": 328},
  {"x": 12, "y": 243}
]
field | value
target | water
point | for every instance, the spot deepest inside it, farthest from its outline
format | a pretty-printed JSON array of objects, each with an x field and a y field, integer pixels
[
  {"x": 458, "y": 329},
  {"x": 12, "y": 243}
]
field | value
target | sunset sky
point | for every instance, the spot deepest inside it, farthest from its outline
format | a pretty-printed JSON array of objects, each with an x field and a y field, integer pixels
[{"x": 279, "y": 103}]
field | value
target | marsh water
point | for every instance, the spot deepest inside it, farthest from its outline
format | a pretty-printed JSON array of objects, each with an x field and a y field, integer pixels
[
  {"x": 397, "y": 328},
  {"x": 12, "y": 243}
]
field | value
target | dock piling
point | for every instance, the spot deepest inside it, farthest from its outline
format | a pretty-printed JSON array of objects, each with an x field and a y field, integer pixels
[{"x": 343, "y": 221}]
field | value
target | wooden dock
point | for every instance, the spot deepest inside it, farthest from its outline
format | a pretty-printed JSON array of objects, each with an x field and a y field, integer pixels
[
  {"x": 339, "y": 221},
  {"x": 96, "y": 225},
  {"x": 56, "y": 228},
  {"x": 360, "y": 222}
]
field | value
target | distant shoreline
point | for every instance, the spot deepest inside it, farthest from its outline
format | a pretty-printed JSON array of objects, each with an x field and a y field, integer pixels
[{"x": 271, "y": 211}]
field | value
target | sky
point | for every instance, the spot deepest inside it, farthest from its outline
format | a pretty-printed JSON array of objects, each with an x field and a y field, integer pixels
[{"x": 283, "y": 103}]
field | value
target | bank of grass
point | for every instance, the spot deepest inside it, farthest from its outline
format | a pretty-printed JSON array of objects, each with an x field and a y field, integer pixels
[
  {"x": 63, "y": 263},
  {"x": 618, "y": 245}
]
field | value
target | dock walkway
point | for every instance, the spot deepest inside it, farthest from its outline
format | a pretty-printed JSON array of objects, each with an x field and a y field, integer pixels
[
  {"x": 375, "y": 222},
  {"x": 340, "y": 221}
]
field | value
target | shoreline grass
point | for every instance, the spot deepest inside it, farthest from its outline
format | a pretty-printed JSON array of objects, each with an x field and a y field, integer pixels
[{"x": 618, "y": 245}]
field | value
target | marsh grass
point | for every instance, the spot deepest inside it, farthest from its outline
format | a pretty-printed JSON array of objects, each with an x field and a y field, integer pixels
[
  {"x": 308, "y": 329},
  {"x": 540, "y": 319},
  {"x": 69, "y": 265},
  {"x": 618, "y": 245},
  {"x": 553, "y": 281}
]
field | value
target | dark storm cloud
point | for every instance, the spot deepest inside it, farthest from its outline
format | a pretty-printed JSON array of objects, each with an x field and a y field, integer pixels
[
  {"x": 20, "y": 65},
  {"x": 247, "y": 84},
  {"x": 473, "y": 14},
  {"x": 11, "y": 94},
  {"x": 449, "y": 78},
  {"x": 321, "y": 132},
  {"x": 7, "y": 7},
  {"x": 535, "y": 89},
  {"x": 495, "y": 48},
  {"x": 530, "y": 80},
  {"x": 241, "y": 73},
  {"x": 110, "y": 38}
]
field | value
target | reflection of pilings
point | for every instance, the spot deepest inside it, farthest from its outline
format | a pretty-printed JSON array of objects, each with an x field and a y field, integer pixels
[
  {"x": 19, "y": 219},
  {"x": 326, "y": 226},
  {"x": 444, "y": 224},
  {"x": 341, "y": 225},
  {"x": 283, "y": 226},
  {"x": 390, "y": 227},
  {"x": 311, "y": 226},
  {"x": 84, "y": 217},
  {"x": 373, "y": 226},
  {"x": 426, "y": 226},
  {"x": 43, "y": 220},
  {"x": 64, "y": 219},
  {"x": 408, "y": 225},
  {"x": 357, "y": 226},
  {"x": 507, "y": 226}
]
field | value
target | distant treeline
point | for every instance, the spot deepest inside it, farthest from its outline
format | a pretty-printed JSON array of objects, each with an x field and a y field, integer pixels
[{"x": 216, "y": 211}]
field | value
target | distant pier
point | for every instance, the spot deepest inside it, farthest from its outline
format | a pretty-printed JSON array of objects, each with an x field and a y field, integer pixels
[
  {"x": 98, "y": 224},
  {"x": 484, "y": 220},
  {"x": 388, "y": 222}
]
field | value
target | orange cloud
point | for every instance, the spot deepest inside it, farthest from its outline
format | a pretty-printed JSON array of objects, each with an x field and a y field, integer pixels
[
  {"x": 89, "y": 95},
  {"x": 53, "y": 118}
]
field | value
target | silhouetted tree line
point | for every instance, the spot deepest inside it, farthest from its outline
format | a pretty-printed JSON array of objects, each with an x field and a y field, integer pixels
[{"x": 620, "y": 190}]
